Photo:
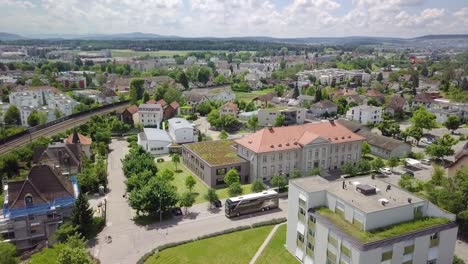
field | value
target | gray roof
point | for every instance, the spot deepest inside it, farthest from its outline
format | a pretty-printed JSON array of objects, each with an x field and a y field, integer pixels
[
  {"x": 155, "y": 134},
  {"x": 178, "y": 123},
  {"x": 324, "y": 104},
  {"x": 383, "y": 142}
]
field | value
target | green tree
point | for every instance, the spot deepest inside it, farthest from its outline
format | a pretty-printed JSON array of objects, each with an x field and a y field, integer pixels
[
  {"x": 366, "y": 149},
  {"x": 182, "y": 78},
  {"x": 393, "y": 162},
  {"x": 235, "y": 189},
  {"x": 279, "y": 182},
  {"x": 380, "y": 77},
  {"x": 389, "y": 127},
  {"x": 204, "y": 108},
  {"x": 57, "y": 113},
  {"x": 187, "y": 200},
  {"x": 318, "y": 95},
  {"x": 296, "y": 174},
  {"x": 453, "y": 123},
  {"x": 74, "y": 255},
  {"x": 279, "y": 121},
  {"x": 377, "y": 163},
  {"x": 65, "y": 231},
  {"x": 349, "y": 168},
  {"x": 82, "y": 215},
  {"x": 8, "y": 253},
  {"x": 424, "y": 119},
  {"x": 438, "y": 175},
  {"x": 33, "y": 118},
  {"x": 252, "y": 123},
  {"x": 12, "y": 116},
  {"x": 146, "y": 97},
  {"x": 211, "y": 195},
  {"x": 190, "y": 182},
  {"x": 220, "y": 79},
  {"x": 136, "y": 90},
  {"x": 176, "y": 160},
  {"x": 257, "y": 186},
  {"x": 232, "y": 176},
  {"x": 441, "y": 147},
  {"x": 223, "y": 135},
  {"x": 204, "y": 74},
  {"x": 415, "y": 132}
]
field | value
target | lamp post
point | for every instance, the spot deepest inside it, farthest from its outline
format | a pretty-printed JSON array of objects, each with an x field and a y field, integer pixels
[{"x": 160, "y": 213}]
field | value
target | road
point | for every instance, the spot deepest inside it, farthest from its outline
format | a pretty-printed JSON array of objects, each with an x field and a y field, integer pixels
[
  {"x": 57, "y": 128},
  {"x": 130, "y": 241}
]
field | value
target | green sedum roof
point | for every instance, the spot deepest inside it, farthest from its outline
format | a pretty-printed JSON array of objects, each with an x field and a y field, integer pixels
[{"x": 217, "y": 152}]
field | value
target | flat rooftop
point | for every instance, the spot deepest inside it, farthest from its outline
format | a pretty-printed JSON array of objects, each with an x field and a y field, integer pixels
[
  {"x": 396, "y": 196},
  {"x": 217, "y": 152}
]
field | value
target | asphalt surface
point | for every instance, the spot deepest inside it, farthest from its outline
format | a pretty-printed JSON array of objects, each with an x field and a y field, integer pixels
[{"x": 55, "y": 129}]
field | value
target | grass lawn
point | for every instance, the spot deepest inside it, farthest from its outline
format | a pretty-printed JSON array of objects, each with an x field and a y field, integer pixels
[
  {"x": 223, "y": 193},
  {"x": 249, "y": 96},
  {"x": 275, "y": 252},
  {"x": 47, "y": 255},
  {"x": 234, "y": 248},
  {"x": 159, "y": 53},
  {"x": 179, "y": 180}
]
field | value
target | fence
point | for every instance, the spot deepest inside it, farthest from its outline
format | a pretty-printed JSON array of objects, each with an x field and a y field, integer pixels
[{"x": 59, "y": 120}]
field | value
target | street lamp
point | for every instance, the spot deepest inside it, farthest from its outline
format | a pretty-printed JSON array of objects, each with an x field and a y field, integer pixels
[{"x": 160, "y": 213}]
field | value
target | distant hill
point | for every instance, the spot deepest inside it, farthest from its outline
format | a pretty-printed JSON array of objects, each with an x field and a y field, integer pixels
[
  {"x": 9, "y": 36},
  {"x": 447, "y": 36}
]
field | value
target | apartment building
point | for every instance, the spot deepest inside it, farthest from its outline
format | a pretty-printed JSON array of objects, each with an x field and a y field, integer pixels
[
  {"x": 365, "y": 114},
  {"x": 182, "y": 131},
  {"x": 281, "y": 150},
  {"x": 365, "y": 221},
  {"x": 150, "y": 114},
  {"x": 327, "y": 76},
  {"x": 292, "y": 115}
]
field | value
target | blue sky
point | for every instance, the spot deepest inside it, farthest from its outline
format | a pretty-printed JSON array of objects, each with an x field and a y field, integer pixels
[{"x": 224, "y": 18}]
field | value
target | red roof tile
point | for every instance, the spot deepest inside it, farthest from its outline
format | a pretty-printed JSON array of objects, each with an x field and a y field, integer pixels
[
  {"x": 132, "y": 109},
  {"x": 84, "y": 140},
  {"x": 174, "y": 105}
]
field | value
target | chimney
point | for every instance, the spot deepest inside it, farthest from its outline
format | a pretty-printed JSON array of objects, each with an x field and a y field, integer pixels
[
  {"x": 332, "y": 122},
  {"x": 270, "y": 128}
]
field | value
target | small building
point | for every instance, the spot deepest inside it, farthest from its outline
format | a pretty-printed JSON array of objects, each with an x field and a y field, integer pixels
[
  {"x": 229, "y": 108},
  {"x": 156, "y": 141},
  {"x": 324, "y": 107},
  {"x": 461, "y": 162},
  {"x": 305, "y": 100},
  {"x": 35, "y": 207},
  {"x": 211, "y": 160},
  {"x": 130, "y": 115},
  {"x": 385, "y": 147},
  {"x": 82, "y": 142},
  {"x": 182, "y": 131},
  {"x": 292, "y": 116},
  {"x": 150, "y": 115},
  {"x": 65, "y": 158},
  {"x": 365, "y": 114}
]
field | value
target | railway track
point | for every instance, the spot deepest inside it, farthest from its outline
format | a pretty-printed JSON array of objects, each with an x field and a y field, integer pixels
[{"x": 54, "y": 129}]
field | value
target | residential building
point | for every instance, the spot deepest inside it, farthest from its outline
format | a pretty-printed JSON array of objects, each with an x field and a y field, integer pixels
[
  {"x": 305, "y": 100},
  {"x": 83, "y": 142},
  {"x": 129, "y": 114},
  {"x": 182, "y": 131},
  {"x": 328, "y": 76},
  {"x": 292, "y": 116},
  {"x": 376, "y": 95},
  {"x": 323, "y": 108},
  {"x": 35, "y": 207},
  {"x": 211, "y": 160},
  {"x": 216, "y": 93},
  {"x": 150, "y": 115},
  {"x": 156, "y": 141},
  {"x": 385, "y": 147},
  {"x": 63, "y": 157},
  {"x": 3, "y": 109},
  {"x": 365, "y": 220},
  {"x": 365, "y": 114},
  {"x": 460, "y": 162},
  {"x": 281, "y": 150},
  {"x": 229, "y": 108},
  {"x": 69, "y": 80}
]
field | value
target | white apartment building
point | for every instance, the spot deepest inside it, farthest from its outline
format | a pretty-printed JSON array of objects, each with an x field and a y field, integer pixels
[
  {"x": 351, "y": 222},
  {"x": 327, "y": 76},
  {"x": 292, "y": 115},
  {"x": 156, "y": 141},
  {"x": 25, "y": 111},
  {"x": 281, "y": 150},
  {"x": 150, "y": 114},
  {"x": 365, "y": 114},
  {"x": 182, "y": 131}
]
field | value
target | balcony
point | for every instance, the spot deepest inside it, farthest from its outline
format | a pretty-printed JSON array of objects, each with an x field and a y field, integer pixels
[{"x": 434, "y": 242}]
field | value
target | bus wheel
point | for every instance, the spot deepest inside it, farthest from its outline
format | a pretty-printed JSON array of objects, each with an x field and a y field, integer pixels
[
  {"x": 268, "y": 208},
  {"x": 238, "y": 214},
  {"x": 263, "y": 209}
]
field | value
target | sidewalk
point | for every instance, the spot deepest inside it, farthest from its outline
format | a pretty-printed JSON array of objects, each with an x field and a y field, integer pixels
[{"x": 265, "y": 243}]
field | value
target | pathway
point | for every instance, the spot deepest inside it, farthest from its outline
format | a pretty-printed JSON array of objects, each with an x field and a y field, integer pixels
[{"x": 265, "y": 243}]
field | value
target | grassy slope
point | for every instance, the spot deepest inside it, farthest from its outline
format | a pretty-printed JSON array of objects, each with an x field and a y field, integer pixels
[
  {"x": 275, "y": 252},
  {"x": 234, "y": 248},
  {"x": 159, "y": 53},
  {"x": 249, "y": 96}
]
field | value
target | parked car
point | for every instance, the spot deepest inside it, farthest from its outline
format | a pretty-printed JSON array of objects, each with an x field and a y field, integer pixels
[
  {"x": 176, "y": 211},
  {"x": 217, "y": 203},
  {"x": 385, "y": 170},
  {"x": 426, "y": 161},
  {"x": 427, "y": 141},
  {"x": 410, "y": 173}
]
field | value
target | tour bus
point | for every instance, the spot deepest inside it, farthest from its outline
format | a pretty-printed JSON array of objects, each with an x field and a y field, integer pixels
[{"x": 251, "y": 203}]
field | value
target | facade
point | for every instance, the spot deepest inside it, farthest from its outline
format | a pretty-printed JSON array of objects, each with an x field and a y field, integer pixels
[
  {"x": 182, "y": 131},
  {"x": 324, "y": 107},
  {"x": 327, "y": 76},
  {"x": 82, "y": 142},
  {"x": 365, "y": 114},
  {"x": 156, "y": 141},
  {"x": 34, "y": 208},
  {"x": 461, "y": 162},
  {"x": 327, "y": 223},
  {"x": 282, "y": 150},
  {"x": 129, "y": 114},
  {"x": 292, "y": 115},
  {"x": 385, "y": 147},
  {"x": 229, "y": 108},
  {"x": 150, "y": 114},
  {"x": 211, "y": 160},
  {"x": 63, "y": 157}
]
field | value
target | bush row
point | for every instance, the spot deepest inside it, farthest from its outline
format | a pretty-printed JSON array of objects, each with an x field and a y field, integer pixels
[{"x": 275, "y": 221}]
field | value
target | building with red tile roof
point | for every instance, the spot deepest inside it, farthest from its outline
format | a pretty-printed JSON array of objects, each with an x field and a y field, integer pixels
[
  {"x": 281, "y": 150},
  {"x": 229, "y": 108}
]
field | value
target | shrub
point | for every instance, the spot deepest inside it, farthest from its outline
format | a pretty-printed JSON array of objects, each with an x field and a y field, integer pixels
[
  {"x": 132, "y": 138},
  {"x": 462, "y": 137},
  {"x": 274, "y": 221},
  {"x": 160, "y": 160}
]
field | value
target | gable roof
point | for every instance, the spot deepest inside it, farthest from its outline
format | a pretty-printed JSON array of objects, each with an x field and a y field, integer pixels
[
  {"x": 132, "y": 109},
  {"x": 84, "y": 140},
  {"x": 460, "y": 155},
  {"x": 43, "y": 183},
  {"x": 382, "y": 142},
  {"x": 162, "y": 103},
  {"x": 374, "y": 93},
  {"x": 324, "y": 104},
  {"x": 294, "y": 137},
  {"x": 55, "y": 152},
  {"x": 230, "y": 105},
  {"x": 174, "y": 105}
]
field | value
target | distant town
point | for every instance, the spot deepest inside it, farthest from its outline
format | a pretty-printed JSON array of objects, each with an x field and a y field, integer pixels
[{"x": 234, "y": 151}]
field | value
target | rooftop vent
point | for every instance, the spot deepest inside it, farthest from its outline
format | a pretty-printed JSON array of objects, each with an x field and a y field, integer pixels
[
  {"x": 342, "y": 137},
  {"x": 384, "y": 201},
  {"x": 366, "y": 189},
  {"x": 272, "y": 146},
  {"x": 280, "y": 145},
  {"x": 410, "y": 200}
]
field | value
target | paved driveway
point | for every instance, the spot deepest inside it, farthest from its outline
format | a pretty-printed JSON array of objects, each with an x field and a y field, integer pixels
[{"x": 130, "y": 241}]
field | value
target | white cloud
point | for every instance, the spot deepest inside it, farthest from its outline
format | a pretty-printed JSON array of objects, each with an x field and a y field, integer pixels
[{"x": 17, "y": 3}]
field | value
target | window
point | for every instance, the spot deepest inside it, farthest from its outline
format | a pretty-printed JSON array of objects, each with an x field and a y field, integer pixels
[
  {"x": 309, "y": 165},
  {"x": 280, "y": 156},
  {"x": 408, "y": 262},
  {"x": 434, "y": 240},
  {"x": 345, "y": 250},
  {"x": 302, "y": 203},
  {"x": 264, "y": 159},
  {"x": 264, "y": 171},
  {"x": 332, "y": 240},
  {"x": 221, "y": 171},
  {"x": 273, "y": 157},
  {"x": 287, "y": 167},
  {"x": 28, "y": 199},
  {"x": 331, "y": 258},
  {"x": 316, "y": 153},
  {"x": 432, "y": 261},
  {"x": 387, "y": 255},
  {"x": 288, "y": 155},
  {"x": 408, "y": 250}
]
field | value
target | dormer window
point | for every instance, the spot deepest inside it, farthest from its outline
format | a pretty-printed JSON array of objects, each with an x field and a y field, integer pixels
[{"x": 28, "y": 199}]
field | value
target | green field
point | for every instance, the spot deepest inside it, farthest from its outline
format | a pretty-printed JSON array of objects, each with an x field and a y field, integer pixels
[
  {"x": 249, "y": 96},
  {"x": 275, "y": 252},
  {"x": 234, "y": 248},
  {"x": 200, "y": 188},
  {"x": 159, "y": 53}
]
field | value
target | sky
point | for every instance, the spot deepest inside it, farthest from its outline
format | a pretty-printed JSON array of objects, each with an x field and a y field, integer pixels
[{"x": 234, "y": 18}]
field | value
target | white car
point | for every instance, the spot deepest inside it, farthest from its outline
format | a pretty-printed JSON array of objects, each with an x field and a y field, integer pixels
[
  {"x": 426, "y": 161},
  {"x": 385, "y": 170},
  {"x": 427, "y": 141}
]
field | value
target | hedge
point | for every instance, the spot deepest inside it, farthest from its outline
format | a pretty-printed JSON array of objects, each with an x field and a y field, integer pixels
[{"x": 275, "y": 221}]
